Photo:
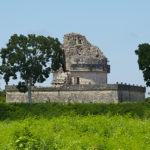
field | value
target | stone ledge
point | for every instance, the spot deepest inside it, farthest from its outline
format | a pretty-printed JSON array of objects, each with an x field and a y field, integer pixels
[
  {"x": 131, "y": 87},
  {"x": 117, "y": 86},
  {"x": 90, "y": 67}
]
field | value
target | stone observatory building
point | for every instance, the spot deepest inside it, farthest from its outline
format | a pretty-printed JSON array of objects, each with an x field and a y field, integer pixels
[
  {"x": 84, "y": 64},
  {"x": 82, "y": 78}
]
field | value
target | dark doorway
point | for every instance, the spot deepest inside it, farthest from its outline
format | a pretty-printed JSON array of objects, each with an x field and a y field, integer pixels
[{"x": 76, "y": 80}]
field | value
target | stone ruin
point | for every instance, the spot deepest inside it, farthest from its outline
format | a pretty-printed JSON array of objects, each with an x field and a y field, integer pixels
[
  {"x": 82, "y": 78},
  {"x": 84, "y": 63}
]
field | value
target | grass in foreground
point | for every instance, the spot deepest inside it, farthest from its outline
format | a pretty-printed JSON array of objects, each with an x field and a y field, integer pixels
[{"x": 56, "y": 126}]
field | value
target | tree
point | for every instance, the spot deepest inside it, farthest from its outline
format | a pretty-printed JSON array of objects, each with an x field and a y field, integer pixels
[
  {"x": 32, "y": 58},
  {"x": 143, "y": 53}
]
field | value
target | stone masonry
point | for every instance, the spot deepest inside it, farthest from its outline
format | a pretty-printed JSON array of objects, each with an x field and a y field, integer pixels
[
  {"x": 84, "y": 63},
  {"x": 104, "y": 93},
  {"x": 82, "y": 78}
]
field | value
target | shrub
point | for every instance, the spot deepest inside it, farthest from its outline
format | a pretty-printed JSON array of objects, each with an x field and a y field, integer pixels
[
  {"x": 147, "y": 99},
  {"x": 23, "y": 137},
  {"x": 92, "y": 132},
  {"x": 2, "y": 96}
]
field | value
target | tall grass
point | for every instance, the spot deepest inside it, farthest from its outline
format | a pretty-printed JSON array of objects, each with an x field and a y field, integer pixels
[
  {"x": 16, "y": 111},
  {"x": 55, "y": 126},
  {"x": 2, "y": 96}
]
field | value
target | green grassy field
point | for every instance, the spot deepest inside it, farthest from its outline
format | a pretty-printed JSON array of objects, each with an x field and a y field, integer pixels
[{"x": 53, "y": 126}]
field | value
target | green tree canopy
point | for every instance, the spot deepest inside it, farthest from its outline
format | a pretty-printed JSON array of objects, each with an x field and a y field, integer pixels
[
  {"x": 143, "y": 53},
  {"x": 32, "y": 58}
]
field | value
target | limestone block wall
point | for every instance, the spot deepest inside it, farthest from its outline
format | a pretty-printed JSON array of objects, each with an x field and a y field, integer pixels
[
  {"x": 131, "y": 93},
  {"x": 79, "y": 54},
  {"x": 66, "y": 96},
  {"x": 130, "y": 96},
  {"x": 59, "y": 77},
  {"x": 90, "y": 77},
  {"x": 104, "y": 93}
]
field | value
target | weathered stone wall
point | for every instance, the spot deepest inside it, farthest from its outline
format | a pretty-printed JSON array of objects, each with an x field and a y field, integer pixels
[
  {"x": 59, "y": 78},
  {"x": 131, "y": 92},
  {"x": 90, "y": 77},
  {"x": 66, "y": 96},
  {"x": 105, "y": 93},
  {"x": 79, "y": 54},
  {"x": 130, "y": 96}
]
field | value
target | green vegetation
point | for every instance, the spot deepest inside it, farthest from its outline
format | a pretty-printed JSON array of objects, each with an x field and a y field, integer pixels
[
  {"x": 31, "y": 58},
  {"x": 53, "y": 126},
  {"x": 143, "y": 53},
  {"x": 2, "y": 96}
]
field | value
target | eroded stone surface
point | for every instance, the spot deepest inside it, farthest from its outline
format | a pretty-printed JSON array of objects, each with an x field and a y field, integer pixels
[
  {"x": 83, "y": 78},
  {"x": 82, "y": 61},
  {"x": 104, "y": 93}
]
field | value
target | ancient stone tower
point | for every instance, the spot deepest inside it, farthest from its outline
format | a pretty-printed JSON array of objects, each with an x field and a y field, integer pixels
[
  {"x": 84, "y": 63},
  {"x": 82, "y": 78}
]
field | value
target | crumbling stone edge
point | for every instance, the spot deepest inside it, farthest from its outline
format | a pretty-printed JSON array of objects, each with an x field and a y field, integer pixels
[{"x": 117, "y": 86}]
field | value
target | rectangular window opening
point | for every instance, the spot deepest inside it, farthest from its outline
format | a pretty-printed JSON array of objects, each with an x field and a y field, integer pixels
[{"x": 76, "y": 80}]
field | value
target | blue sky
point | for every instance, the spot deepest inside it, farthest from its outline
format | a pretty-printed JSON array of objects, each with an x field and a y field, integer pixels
[{"x": 115, "y": 26}]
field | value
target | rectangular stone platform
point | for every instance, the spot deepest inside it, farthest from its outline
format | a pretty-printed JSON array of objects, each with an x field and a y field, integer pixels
[{"x": 105, "y": 93}]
